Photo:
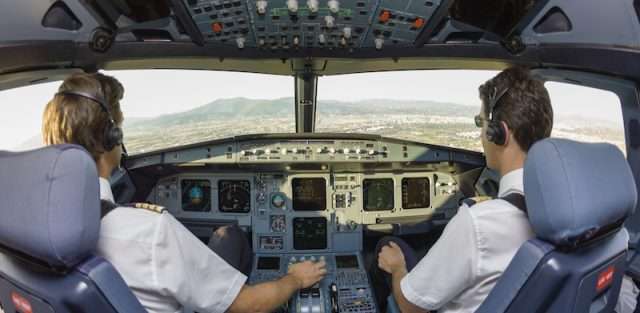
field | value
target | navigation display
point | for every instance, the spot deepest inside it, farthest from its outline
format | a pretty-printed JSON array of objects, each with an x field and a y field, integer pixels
[
  {"x": 346, "y": 261},
  {"x": 309, "y": 233},
  {"x": 234, "y": 196},
  {"x": 269, "y": 263},
  {"x": 196, "y": 195},
  {"x": 378, "y": 194},
  {"x": 309, "y": 194},
  {"x": 416, "y": 193}
]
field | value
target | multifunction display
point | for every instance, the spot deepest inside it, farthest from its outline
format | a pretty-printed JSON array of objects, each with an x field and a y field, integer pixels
[
  {"x": 196, "y": 195},
  {"x": 378, "y": 194},
  {"x": 309, "y": 233},
  {"x": 309, "y": 194},
  {"x": 234, "y": 196},
  {"x": 415, "y": 193}
]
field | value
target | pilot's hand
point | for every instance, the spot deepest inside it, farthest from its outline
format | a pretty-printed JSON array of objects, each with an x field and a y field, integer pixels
[
  {"x": 391, "y": 259},
  {"x": 308, "y": 273}
]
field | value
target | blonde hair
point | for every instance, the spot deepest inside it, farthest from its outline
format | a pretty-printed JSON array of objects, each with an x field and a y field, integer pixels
[{"x": 77, "y": 120}]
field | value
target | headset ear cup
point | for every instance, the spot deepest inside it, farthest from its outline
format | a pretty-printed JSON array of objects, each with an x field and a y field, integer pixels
[
  {"x": 112, "y": 137},
  {"x": 496, "y": 133}
]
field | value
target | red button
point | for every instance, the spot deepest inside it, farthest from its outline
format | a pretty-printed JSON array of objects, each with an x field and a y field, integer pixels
[
  {"x": 418, "y": 23},
  {"x": 216, "y": 27},
  {"x": 385, "y": 16}
]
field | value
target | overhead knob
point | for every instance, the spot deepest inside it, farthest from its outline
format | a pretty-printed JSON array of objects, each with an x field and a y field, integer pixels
[
  {"x": 322, "y": 39},
  {"x": 292, "y": 5},
  {"x": 334, "y": 6},
  {"x": 330, "y": 21},
  {"x": 313, "y": 5},
  {"x": 379, "y": 42},
  {"x": 346, "y": 32},
  {"x": 261, "y": 6},
  {"x": 240, "y": 42}
]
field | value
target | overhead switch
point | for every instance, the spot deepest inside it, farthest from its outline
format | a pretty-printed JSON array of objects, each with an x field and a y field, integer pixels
[
  {"x": 385, "y": 16},
  {"x": 216, "y": 27}
]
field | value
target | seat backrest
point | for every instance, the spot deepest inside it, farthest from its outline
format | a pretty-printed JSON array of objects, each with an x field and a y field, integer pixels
[
  {"x": 49, "y": 226},
  {"x": 578, "y": 195}
]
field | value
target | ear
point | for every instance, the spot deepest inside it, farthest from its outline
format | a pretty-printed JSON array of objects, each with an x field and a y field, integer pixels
[{"x": 507, "y": 133}]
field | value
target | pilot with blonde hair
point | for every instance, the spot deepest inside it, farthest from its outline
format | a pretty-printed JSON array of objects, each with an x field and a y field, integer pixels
[{"x": 164, "y": 264}]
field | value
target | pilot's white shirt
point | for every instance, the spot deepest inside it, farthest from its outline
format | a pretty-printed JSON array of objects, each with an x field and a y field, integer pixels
[
  {"x": 165, "y": 265},
  {"x": 475, "y": 248}
]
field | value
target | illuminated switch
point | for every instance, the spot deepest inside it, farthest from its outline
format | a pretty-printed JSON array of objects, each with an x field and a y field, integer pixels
[{"x": 418, "y": 23}]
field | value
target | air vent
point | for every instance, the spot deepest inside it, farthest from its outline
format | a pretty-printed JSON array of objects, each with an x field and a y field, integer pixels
[
  {"x": 60, "y": 16},
  {"x": 555, "y": 21}
]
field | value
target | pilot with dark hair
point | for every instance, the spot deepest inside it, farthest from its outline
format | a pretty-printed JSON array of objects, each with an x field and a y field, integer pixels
[
  {"x": 476, "y": 246},
  {"x": 164, "y": 264}
]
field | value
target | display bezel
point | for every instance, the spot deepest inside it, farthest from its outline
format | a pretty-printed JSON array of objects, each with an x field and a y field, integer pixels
[
  {"x": 405, "y": 204},
  {"x": 304, "y": 243},
  {"x": 207, "y": 194},
  {"x": 365, "y": 196},
  {"x": 319, "y": 204},
  {"x": 244, "y": 210}
]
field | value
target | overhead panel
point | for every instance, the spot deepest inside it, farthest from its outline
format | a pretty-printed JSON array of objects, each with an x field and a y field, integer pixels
[{"x": 299, "y": 24}]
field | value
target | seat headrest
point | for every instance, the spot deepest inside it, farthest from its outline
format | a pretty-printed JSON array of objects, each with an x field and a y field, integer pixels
[
  {"x": 50, "y": 204},
  {"x": 574, "y": 190}
]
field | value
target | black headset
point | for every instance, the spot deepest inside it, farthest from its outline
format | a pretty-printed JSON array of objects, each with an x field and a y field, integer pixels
[
  {"x": 495, "y": 130},
  {"x": 112, "y": 133}
]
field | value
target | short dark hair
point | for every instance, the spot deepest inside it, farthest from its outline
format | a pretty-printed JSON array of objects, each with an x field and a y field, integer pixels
[{"x": 525, "y": 107}]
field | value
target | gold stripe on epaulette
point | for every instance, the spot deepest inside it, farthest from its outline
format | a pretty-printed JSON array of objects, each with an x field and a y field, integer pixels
[
  {"x": 481, "y": 199},
  {"x": 148, "y": 207}
]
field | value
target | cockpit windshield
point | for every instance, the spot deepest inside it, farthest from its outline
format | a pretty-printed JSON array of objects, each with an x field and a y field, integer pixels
[{"x": 168, "y": 108}]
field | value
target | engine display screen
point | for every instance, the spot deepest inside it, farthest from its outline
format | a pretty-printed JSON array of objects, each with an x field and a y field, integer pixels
[
  {"x": 269, "y": 263},
  {"x": 196, "y": 195},
  {"x": 378, "y": 194},
  {"x": 309, "y": 233},
  {"x": 309, "y": 194},
  {"x": 346, "y": 261},
  {"x": 415, "y": 193}
]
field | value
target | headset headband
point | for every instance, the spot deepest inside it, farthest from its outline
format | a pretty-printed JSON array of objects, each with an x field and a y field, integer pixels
[
  {"x": 98, "y": 100},
  {"x": 494, "y": 99}
]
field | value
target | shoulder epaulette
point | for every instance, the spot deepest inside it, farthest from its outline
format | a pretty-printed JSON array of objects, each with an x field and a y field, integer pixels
[
  {"x": 475, "y": 200},
  {"x": 147, "y": 206}
]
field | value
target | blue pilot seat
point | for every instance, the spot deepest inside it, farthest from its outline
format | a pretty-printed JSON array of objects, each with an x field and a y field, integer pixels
[
  {"x": 49, "y": 226},
  {"x": 578, "y": 196}
]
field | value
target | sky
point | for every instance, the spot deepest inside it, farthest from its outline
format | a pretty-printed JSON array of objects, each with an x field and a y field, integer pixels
[{"x": 151, "y": 93}]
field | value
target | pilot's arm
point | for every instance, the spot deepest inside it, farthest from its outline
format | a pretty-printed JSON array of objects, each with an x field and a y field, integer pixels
[
  {"x": 267, "y": 297},
  {"x": 445, "y": 272},
  {"x": 197, "y": 278}
]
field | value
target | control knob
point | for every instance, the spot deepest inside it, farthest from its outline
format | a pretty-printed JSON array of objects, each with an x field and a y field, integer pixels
[
  {"x": 334, "y": 6},
  {"x": 261, "y": 6},
  {"x": 313, "y": 5},
  {"x": 292, "y": 5}
]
